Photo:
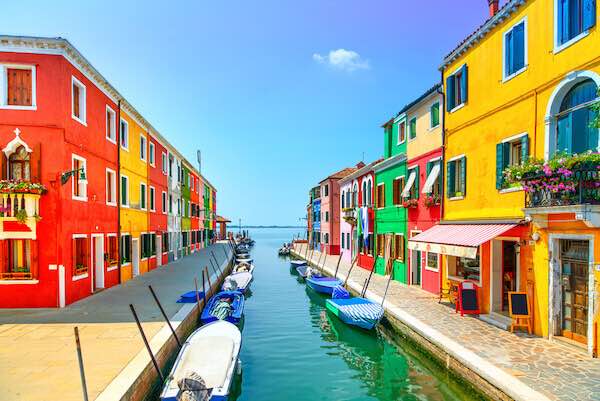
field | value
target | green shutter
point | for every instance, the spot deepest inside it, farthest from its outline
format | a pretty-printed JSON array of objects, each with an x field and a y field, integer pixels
[
  {"x": 464, "y": 84},
  {"x": 450, "y": 93},
  {"x": 525, "y": 148},
  {"x": 499, "y": 165},
  {"x": 463, "y": 176},
  {"x": 450, "y": 172},
  {"x": 435, "y": 115},
  {"x": 417, "y": 182}
]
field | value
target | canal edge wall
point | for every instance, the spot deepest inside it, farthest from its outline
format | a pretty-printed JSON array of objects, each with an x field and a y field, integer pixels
[
  {"x": 139, "y": 378},
  {"x": 487, "y": 378}
]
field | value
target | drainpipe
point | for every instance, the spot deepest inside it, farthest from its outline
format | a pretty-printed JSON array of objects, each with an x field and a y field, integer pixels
[{"x": 118, "y": 179}]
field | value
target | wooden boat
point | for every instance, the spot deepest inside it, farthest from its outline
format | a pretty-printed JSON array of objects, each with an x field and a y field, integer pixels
[
  {"x": 237, "y": 307},
  {"x": 243, "y": 267},
  {"x": 323, "y": 285},
  {"x": 211, "y": 352},
  {"x": 237, "y": 282},
  {"x": 359, "y": 312}
]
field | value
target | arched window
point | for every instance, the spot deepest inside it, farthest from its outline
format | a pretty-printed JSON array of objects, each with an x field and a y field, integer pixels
[
  {"x": 364, "y": 194},
  {"x": 369, "y": 192},
  {"x": 19, "y": 165},
  {"x": 355, "y": 195},
  {"x": 348, "y": 198},
  {"x": 573, "y": 131}
]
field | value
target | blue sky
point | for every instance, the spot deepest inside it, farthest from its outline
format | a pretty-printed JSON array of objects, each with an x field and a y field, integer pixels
[{"x": 262, "y": 87}]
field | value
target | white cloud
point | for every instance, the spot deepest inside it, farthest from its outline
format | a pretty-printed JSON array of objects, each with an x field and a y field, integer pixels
[{"x": 342, "y": 59}]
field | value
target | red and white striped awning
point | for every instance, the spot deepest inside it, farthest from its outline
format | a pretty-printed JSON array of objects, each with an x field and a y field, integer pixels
[{"x": 457, "y": 239}]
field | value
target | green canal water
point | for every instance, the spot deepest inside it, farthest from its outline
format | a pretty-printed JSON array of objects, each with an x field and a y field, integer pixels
[{"x": 294, "y": 350}]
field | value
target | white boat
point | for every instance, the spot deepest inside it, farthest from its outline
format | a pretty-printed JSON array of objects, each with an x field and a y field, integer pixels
[
  {"x": 243, "y": 267},
  {"x": 211, "y": 352},
  {"x": 296, "y": 263},
  {"x": 243, "y": 260},
  {"x": 237, "y": 282}
]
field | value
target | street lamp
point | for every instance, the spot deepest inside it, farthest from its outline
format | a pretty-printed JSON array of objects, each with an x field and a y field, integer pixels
[{"x": 64, "y": 178}]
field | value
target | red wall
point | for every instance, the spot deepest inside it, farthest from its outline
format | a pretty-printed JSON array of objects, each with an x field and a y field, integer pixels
[
  {"x": 365, "y": 260},
  {"x": 156, "y": 178}
]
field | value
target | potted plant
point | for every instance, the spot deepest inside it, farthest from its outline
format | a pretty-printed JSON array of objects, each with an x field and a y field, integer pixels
[
  {"x": 432, "y": 200},
  {"x": 21, "y": 216}
]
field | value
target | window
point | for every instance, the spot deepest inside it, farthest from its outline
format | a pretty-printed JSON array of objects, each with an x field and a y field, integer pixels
[
  {"x": 164, "y": 202},
  {"x": 112, "y": 251},
  {"x": 573, "y": 19},
  {"x": 148, "y": 245},
  {"x": 343, "y": 199},
  {"x": 151, "y": 154},
  {"x": 343, "y": 241},
  {"x": 78, "y": 100},
  {"x": 432, "y": 261},
  {"x": 152, "y": 199},
  {"x": 15, "y": 260},
  {"x": 456, "y": 87},
  {"x": 165, "y": 242},
  {"x": 464, "y": 268},
  {"x": 511, "y": 152},
  {"x": 381, "y": 245},
  {"x": 124, "y": 191},
  {"x": 398, "y": 186},
  {"x": 348, "y": 244},
  {"x": 363, "y": 195},
  {"x": 457, "y": 177},
  {"x": 326, "y": 238},
  {"x": 19, "y": 92},
  {"x": 432, "y": 184},
  {"x": 434, "y": 115},
  {"x": 124, "y": 132},
  {"x": 170, "y": 166},
  {"x": 515, "y": 50},
  {"x": 326, "y": 190},
  {"x": 191, "y": 183},
  {"x": 179, "y": 207},
  {"x": 171, "y": 204},
  {"x": 79, "y": 178},
  {"x": 142, "y": 196},
  {"x": 399, "y": 247},
  {"x": 401, "y": 132},
  {"x": 143, "y": 149},
  {"x": 380, "y": 196},
  {"x": 164, "y": 163},
  {"x": 111, "y": 128},
  {"x": 326, "y": 216},
  {"x": 411, "y": 189},
  {"x": 80, "y": 255},
  {"x": 125, "y": 249},
  {"x": 413, "y": 129},
  {"x": 19, "y": 165},
  {"x": 111, "y": 187},
  {"x": 574, "y": 133}
]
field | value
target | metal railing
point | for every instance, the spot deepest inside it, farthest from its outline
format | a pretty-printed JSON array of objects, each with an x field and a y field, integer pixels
[{"x": 583, "y": 187}]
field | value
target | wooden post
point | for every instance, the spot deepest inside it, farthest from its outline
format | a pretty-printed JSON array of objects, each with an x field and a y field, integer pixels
[
  {"x": 204, "y": 294},
  {"x": 369, "y": 278},
  {"x": 208, "y": 277},
  {"x": 216, "y": 262},
  {"x": 213, "y": 266},
  {"x": 337, "y": 266},
  {"x": 162, "y": 311},
  {"x": 350, "y": 270},
  {"x": 197, "y": 295},
  {"x": 80, "y": 360},
  {"x": 139, "y": 325}
]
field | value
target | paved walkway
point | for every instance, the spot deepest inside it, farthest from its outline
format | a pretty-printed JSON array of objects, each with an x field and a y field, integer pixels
[
  {"x": 38, "y": 360},
  {"x": 524, "y": 365}
]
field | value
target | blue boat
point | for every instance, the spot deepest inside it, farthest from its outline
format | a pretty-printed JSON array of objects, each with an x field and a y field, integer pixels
[
  {"x": 237, "y": 307},
  {"x": 323, "y": 285},
  {"x": 359, "y": 312}
]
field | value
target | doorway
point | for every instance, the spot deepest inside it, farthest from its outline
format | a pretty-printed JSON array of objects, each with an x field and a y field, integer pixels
[
  {"x": 504, "y": 275},
  {"x": 135, "y": 256},
  {"x": 415, "y": 267},
  {"x": 574, "y": 289},
  {"x": 509, "y": 271},
  {"x": 98, "y": 260}
]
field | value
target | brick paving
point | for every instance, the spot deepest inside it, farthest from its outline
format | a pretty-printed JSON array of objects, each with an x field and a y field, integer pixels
[
  {"x": 556, "y": 370},
  {"x": 38, "y": 360}
]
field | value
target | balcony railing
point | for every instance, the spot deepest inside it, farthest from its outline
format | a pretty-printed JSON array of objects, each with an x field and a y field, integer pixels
[
  {"x": 582, "y": 187},
  {"x": 19, "y": 214}
]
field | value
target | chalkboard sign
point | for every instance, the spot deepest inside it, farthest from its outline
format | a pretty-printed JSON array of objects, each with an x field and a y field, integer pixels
[
  {"x": 518, "y": 304},
  {"x": 468, "y": 301},
  {"x": 518, "y": 307}
]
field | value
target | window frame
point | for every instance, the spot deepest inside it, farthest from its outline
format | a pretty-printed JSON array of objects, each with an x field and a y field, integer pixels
[
  {"x": 151, "y": 154},
  {"x": 402, "y": 180},
  {"x": 453, "y": 75},
  {"x": 75, "y": 277},
  {"x": 164, "y": 199},
  {"x": 109, "y": 129},
  {"x": 431, "y": 126},
  {"x": 410, "y": 130},
  {"x": 126, "y": 204},
  {"x": 401, "y": 123},
  {"x": 559, "y": 47},
  {"x": 82, "y": 103},
  {"x": 429, "y": 268},
  {"x": 144, "y": 198},
  {"x": 505, "y": 76},
  {"x": 454, "y": 160},
  {"x": 4, "y": 86},
  {"x": 143, "y": 148},
  {"x": 75, "y": 179},
  {"x": 113, "y": 184},
  {"x": 165, "y": 163},
  {"x": 151, "y": 198},
  {"x": 124, "y": 144},
  {"x": 378, "y": 197}
]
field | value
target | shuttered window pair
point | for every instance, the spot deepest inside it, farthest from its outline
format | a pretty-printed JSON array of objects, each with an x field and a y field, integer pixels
[
  {"x": 456, "y": 177},
  {"x": 457, "y": 88},
  {"x": 510, "y": 153},
  {"x": 19, "y": 87},
  {"x": 573, "y": 18},
  {"x": 514, "y": 49}
]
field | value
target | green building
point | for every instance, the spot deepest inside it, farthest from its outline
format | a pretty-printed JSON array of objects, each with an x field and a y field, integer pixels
[
  {"x": 186, "y": 222},
  {"x": 390, "y": 216}
]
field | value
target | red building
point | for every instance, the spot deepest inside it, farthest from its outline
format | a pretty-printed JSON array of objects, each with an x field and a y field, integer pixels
[
  {"x": 158, "y": 199},
  {"x": 365, "y": 182},
  {"x": 58, "y": 129},
  {"x": 195, "y": 214}
]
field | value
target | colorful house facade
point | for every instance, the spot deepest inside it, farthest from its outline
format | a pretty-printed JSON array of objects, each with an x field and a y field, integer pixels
[{"x": 81, "y": 202}]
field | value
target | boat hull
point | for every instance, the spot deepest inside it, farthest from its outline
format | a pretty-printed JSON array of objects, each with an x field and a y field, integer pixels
[
  {"x": 358, "y": 312},
  {"x": 324, "y": 285}
]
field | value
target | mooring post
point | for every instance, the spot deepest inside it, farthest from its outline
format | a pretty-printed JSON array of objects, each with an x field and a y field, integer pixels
[
  {"x": 337, "y": 266},
  {"x": 165, "y": 315},
  {"x": 216, "y": 262},
  {"x": 197, "y": 296},
  {"x": 139, "y": 325},
  {"x": 350, "y": 270},
  {"x": 369, "y": 278},
  {"x": 225, "y": 252},
  {"x": 80, "y": 359},
  {"x": 203, "y": 289},
  {"x": 386, "y": 288},
  {"x": 208, "y": 278},
  {"x": 213, "y": 267}
]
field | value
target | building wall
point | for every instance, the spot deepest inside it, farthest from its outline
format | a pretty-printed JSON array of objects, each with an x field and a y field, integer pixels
[
  {"x": 329, "y": 204},
  {"x": 428, "y": 138},
  {"x": 346, "y": 230},
  {"x": 365, "y": 259},
  {"x": 157, "y": 219}
]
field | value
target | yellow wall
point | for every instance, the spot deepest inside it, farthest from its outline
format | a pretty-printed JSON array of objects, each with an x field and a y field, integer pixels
[
  {"x": 133, "y": 220},
  {"x": 428, "y": 138}
]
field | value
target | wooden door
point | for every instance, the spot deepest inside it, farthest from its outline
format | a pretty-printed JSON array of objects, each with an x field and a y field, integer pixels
[{"x": 574, "y": 286}]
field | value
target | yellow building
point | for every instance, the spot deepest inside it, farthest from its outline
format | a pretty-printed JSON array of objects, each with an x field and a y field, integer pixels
[
  {"x": 134, "y": 218},
  {"x": 518, "y": 88}
]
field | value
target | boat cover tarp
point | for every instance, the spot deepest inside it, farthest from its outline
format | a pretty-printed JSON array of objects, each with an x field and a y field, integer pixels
[
  {"x": 358, "y": 311},
  {"x": 192, "y": 388},
  {"x": 189, "y": 297},
  {"x": 340, "y": 292}
]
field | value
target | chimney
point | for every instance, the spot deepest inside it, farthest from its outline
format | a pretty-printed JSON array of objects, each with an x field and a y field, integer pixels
[{"x": 494, "y": 7}]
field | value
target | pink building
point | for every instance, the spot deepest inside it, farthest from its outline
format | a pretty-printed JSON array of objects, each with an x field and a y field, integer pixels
[{"x": 346, "y": 210}]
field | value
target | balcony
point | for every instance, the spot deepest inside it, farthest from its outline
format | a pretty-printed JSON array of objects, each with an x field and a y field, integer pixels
[
  {"x": 19, "y": 211},
  {"x": 349, "y": 215},
  {"x": 580, "y": 188}
]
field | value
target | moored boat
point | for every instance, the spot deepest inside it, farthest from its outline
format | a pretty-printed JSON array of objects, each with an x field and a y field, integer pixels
[
  {"x": 358, "y": 311},
  {"x": 243, "y": 267},
  {"x": 237, "y": 282},
  {"x": 297, "y": 262},
  {"x": 323, "y": 285},
  {"x": 206, "y": 364},
  {"x": 225, "y": 305}
]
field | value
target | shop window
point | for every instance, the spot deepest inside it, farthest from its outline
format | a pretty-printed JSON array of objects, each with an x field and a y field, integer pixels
[
  {"x": 511, "y": 152},
  {"x": 432, "y": 261},
  {"x": 456, "y": 89},
  {"x": 112, "y": 251},
  {"x": 464, "y": 268},
  {"x": 19, "y": 165},
  {"x": 79, "y": 178},
  {"x": 78, "y": 100},
  {"x": 80, "y": 256},
  {"x": 399, "y": 247},
  {"x": 380, "y": 196},
  {"x": 19, "y": 86},
  {"x": 16, "y": 260},
  {"x": 457, "y": 177},
  {"x": 111, "y": 128},
  {"x": 125, "y": 249}
]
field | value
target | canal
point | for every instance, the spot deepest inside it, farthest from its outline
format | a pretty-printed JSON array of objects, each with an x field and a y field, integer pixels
[{"x": 294, "y": 350}]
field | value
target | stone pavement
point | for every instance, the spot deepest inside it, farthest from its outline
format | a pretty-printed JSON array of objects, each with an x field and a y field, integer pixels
[
  {"x": 38, "y": 360},
  {"x": 514, "y": 361}
]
